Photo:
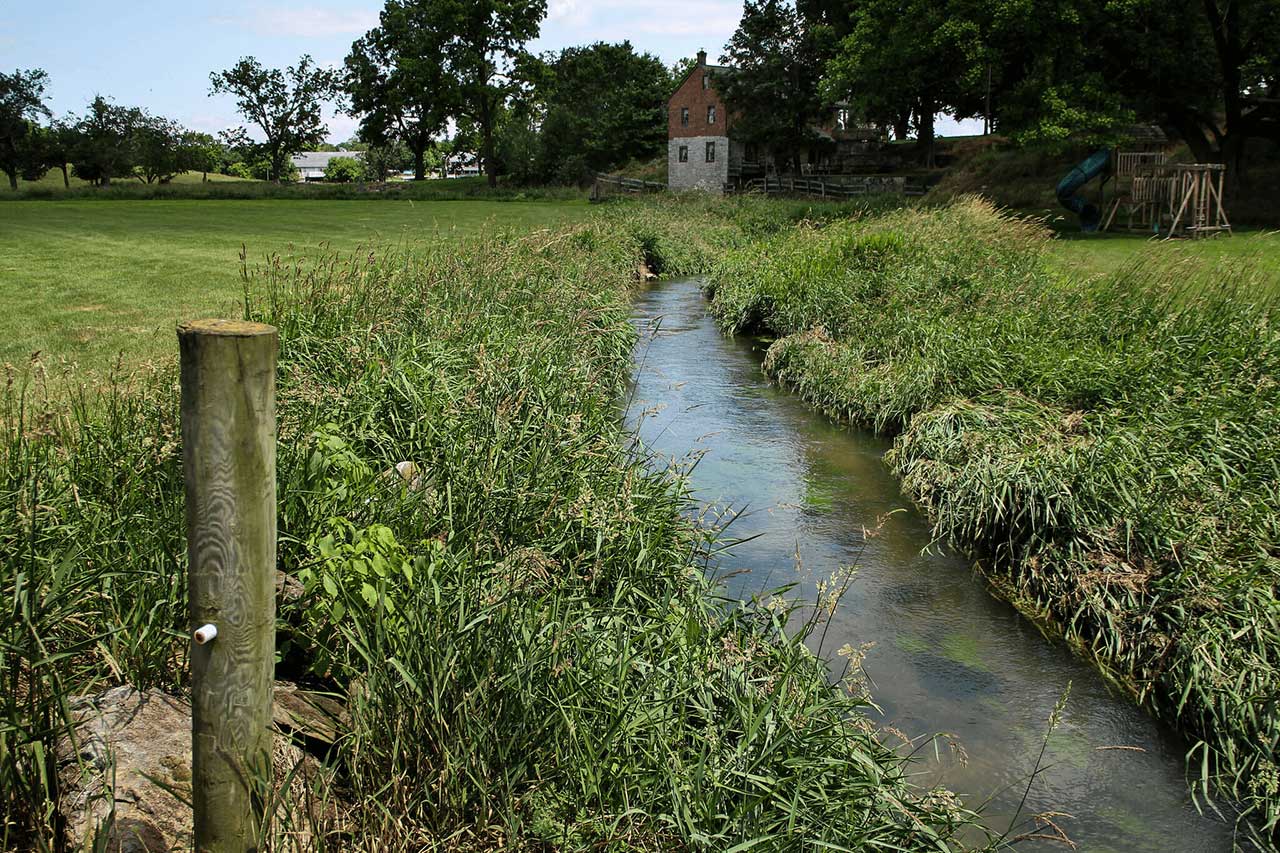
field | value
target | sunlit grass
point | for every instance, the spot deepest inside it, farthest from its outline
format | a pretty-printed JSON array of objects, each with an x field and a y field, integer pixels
[{"x": 85, "y": 281}]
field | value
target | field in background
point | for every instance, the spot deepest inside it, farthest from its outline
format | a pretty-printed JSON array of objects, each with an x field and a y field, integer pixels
[
  {"x": 53, "y": 180},
  {"x": 83, "y": 281},
  {"x": 1100, "y": 254}
]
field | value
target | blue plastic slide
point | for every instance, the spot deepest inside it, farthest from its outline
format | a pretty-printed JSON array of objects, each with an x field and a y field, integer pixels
[{"x": 1096, "y": 164}]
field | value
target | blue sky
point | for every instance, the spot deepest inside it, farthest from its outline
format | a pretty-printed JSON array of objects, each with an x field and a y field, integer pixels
[{"x": 158, "y": 55}]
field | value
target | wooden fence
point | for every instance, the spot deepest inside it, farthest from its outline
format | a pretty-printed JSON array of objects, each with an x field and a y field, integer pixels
[
  {"x": 824, "y": 188},
  {"x": 606, "y": 186}
]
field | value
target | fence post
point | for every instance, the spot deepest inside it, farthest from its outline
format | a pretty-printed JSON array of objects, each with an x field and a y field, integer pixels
[{"x": 229, "y": 463}]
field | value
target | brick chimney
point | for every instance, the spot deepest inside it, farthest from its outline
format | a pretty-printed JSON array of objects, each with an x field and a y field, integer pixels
[{"x": 702, "y": 58}]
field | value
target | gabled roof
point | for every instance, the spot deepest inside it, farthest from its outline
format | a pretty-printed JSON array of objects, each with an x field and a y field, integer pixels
[{"x": 320, "y": 159}]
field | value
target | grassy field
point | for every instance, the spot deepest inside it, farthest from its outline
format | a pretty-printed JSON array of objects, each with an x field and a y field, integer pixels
[
  {"x": 52, "y": 180},
  {"x": 1103, "y": 254},
  {"x": 84, "y": 281}
]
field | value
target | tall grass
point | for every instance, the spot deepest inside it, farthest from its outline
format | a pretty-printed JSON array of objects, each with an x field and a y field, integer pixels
[
  {"x": 529, "y": 647},
  {"x": 1111, "y": 445}
]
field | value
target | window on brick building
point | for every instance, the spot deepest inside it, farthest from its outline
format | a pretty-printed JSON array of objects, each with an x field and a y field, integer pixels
[
  {"x": 684, "y": 153},
  {"x": 706, "y": 81},
  {"x": 711, "y": 152},
  {"x": 684, "y": 116},
  {"x": 711, "y": 114}
]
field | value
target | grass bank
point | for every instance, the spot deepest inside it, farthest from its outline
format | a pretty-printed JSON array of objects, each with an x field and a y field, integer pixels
[
  {"x": 1109, "y": 443},
  {"x": 87, "y": 281},
  {"x": 531, "y": 655}
]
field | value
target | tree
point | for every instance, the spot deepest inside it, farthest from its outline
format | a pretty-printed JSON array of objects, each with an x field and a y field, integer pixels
[
  {"x": 106, "y": 138},
  {"x": 925, "y": 55},
  {"x": 397, "y": 83},
  {"x": 21, "y": 106},
  {"x": 482, "y": 40},
  {"x": 394, "y": 157},
  {"x": 284, "y": 105},
  {"x": 604, "y": 103},
  {"x": 772, "y": 93},
  {"x": 201, "y": 153},
  {"x": 159, "y": 149},
  {"x": 1066, "y": 71},
  {"x": 1209, "y": 68},
  {"x": 343, "y": 170}
]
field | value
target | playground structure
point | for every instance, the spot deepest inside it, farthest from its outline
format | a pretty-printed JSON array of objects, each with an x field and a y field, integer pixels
[{"x": 1151, "y": 195}]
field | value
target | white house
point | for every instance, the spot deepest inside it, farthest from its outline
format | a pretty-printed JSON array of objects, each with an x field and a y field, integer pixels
[{"x": 311, "y": 164}]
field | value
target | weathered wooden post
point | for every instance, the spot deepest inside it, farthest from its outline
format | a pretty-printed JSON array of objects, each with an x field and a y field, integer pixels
[{"x": 229, "y": 461}]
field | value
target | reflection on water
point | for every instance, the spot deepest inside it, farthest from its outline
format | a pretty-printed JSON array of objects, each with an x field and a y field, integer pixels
[{"x": 947, "y": 657}]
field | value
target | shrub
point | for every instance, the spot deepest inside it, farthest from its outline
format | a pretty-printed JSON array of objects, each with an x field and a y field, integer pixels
[{"x": 343, "y": 170}]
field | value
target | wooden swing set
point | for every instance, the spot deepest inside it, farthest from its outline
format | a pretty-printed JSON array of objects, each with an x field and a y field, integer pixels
[{"x": 1173, "y": 199}]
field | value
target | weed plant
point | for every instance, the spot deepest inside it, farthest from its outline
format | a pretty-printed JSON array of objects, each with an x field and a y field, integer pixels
[
  {"x": 521, "y": 626},
  {"x": 1110, "y": 445}
]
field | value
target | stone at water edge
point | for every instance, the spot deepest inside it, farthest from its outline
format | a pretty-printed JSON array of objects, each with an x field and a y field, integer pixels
[{"x": 131, "y": 746}]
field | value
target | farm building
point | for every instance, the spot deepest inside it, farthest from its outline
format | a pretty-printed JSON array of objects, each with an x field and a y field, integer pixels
[
  {"x": 703, "y": 153},
  {"x": 311, "y": 164},
  {"x": 699, "y": 152}
]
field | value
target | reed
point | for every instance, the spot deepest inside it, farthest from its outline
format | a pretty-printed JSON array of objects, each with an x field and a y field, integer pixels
[
  {"x": 1109, "y": 445},
  {"x": 523, "y": 630}
]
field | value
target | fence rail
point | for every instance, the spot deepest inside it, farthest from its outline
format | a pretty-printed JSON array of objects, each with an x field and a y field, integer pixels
[
  {"x": 833, "y": 189},
  {"x": 610, "y": 185}
]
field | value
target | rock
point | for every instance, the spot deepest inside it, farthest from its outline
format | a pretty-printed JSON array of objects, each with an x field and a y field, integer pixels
[
  {"x": 407, "y": 473},
  {"x": 288, "y": 588},
  {"x": 316, "y": 716},
  {"x": 124, "y": 773}
]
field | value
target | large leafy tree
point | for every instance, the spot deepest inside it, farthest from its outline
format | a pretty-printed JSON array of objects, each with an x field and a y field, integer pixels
[
  {"x": 397, "y": 82},
  {"x": 106, "y": 142},
  {"x": 285, "y": 105},
  {"x": 925, "y": 55},
  {"x": 483, "y": 40},
  {"x": 773, "y": 92},
  {"x": 602, "y": 103},
  {"x": 1209, "y": 68},
  {"x": 21, "y": 106},
  {"x": 1066, "y": 70}
]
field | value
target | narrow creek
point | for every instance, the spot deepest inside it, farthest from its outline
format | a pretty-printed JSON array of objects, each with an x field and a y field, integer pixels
[{"x": 947, "y": 656}]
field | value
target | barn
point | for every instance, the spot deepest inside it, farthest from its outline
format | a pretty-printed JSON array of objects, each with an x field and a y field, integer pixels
[{"x": 311, "y": 164}]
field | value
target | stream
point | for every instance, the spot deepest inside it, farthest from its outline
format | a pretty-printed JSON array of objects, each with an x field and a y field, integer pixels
[{"x": 947, "y": 657}]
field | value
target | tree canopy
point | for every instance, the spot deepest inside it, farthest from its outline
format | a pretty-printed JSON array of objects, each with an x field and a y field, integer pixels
[
  {"x": 777, "y": 57},
  {"x": 603, "y": 105},
  {"x": 21, "y": 107},
  {"x": 284, "y": 105},
  {"x": 397, "y": 83}
]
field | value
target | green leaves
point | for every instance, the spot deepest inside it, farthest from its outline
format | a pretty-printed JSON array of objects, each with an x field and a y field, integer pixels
[{"x": 284, "y": 104}]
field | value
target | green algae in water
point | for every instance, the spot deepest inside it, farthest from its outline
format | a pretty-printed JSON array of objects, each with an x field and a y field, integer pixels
[
  {"x": 912, "y": 644},
  {"x": 963, "y": 649},
  {"x": 1070, "y": 748}
]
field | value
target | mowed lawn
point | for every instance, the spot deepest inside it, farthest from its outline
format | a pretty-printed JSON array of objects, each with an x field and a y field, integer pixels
[
  {"x": 84, "y": 282},
  {"x": 1094, "y": 254}
]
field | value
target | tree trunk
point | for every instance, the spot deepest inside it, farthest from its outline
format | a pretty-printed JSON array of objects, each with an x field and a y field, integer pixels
[
  {"x": 902, "y": 125},
  {"x": 13, "y": 179},
  {"x": 419, "y": 163},
  {"x": 66, "y": 180},
  {"x": 924, "y": 125},
  {"x": 487, "y": 154}
]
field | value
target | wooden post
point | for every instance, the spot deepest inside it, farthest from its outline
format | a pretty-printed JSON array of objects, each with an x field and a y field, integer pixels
[{"x": 229, "y": 462}]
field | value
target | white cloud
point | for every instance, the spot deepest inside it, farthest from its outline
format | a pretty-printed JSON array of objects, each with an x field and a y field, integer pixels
[
  {"x": 306, "y": 21},
  {"x": 569, "y": 11}
]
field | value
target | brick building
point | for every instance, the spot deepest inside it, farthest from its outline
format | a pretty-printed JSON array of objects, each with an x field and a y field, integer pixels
[{"x": 700, "y": 153}]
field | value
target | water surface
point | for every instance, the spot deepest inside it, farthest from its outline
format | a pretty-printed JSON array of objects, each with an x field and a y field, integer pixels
[{"x": 947, "y": 656}]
